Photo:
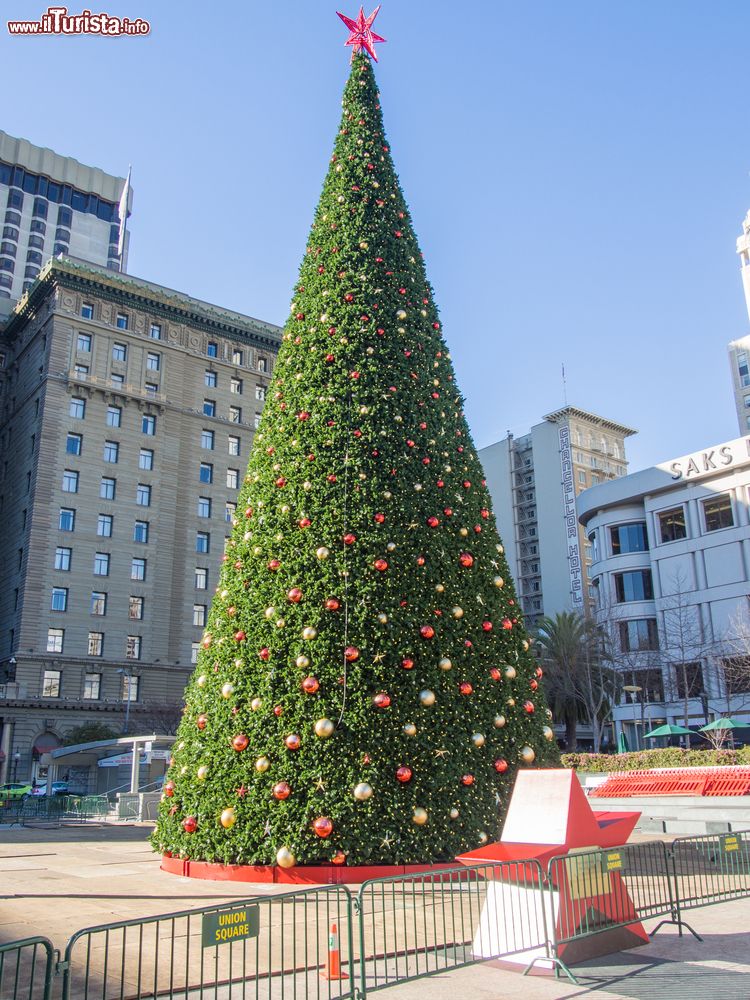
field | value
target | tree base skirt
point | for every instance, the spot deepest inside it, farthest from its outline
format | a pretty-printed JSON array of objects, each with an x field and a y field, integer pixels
[{"x": 299, "y": 875}]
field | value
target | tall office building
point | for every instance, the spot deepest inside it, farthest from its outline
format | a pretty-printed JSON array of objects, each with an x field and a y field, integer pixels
[
  {"x": 739, "y": 350},
  {"x": 127, "y": 412},
  {"x": 52, "y": 205},
  {"x": 534, "y": 481}
]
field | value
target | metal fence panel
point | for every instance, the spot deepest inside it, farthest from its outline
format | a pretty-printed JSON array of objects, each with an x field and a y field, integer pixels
[
  {"x": 258, "y": 948},
  {"x": 26, "y": 969},
  {"x": 711, "y": 868},
  {"x": 415, "y": 925}
]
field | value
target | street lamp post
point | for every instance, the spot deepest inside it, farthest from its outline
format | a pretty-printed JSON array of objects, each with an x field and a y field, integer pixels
[
  {"x": 635, "y": 690},
  {"x": 16, "y": 758},
  {"x": 125, "y": 672}
]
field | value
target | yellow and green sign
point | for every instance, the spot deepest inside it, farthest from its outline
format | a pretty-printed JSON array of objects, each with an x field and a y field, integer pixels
[{"x": 230, "y": 925}]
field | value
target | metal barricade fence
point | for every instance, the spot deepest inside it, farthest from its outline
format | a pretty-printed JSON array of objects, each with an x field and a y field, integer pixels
[
  {"x": 711, "y": 868},
  {"x": 250, "y": 949},
  {"x": 415, "y": 925},
  {"x": 26, "y": 969}
]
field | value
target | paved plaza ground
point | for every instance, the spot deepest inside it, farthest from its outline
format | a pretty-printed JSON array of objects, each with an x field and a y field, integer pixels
[{"x": 56, "y": 881}]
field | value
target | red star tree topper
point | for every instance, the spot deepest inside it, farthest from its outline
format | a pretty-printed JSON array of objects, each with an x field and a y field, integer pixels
[{"x": 362, "y": 36}]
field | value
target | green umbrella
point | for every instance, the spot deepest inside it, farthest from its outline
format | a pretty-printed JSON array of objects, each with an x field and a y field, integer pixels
[
  {"x": 622, "y": 743},
  {"x": 668, "y": 730},
  {"x": 725, "y": 724}
]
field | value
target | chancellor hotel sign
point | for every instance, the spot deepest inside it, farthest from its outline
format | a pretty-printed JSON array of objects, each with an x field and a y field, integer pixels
[
  {"x": 575, "y": 567},
  {"x": 710, "y": 461}
]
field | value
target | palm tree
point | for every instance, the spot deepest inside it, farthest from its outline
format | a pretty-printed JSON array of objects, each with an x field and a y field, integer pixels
[{"x": 564, "y": 641}]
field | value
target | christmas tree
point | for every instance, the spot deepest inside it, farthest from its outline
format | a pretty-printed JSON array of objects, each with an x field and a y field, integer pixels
[{"x": 365, "y": 689}]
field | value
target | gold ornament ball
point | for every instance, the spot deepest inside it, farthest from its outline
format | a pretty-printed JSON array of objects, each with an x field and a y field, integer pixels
[
  {"x": 457, "y": 612},
  {"x": 383, "y": 619},
  {"x": 256, "y": 703},
  {"x": 439, "y": 588},
  {"x": 262, "y": 764},
  {"x": 510, "y": 673},
  {"x": 323, "y": 552},
  {"x": 445, "y": 663},
  {"x": 419, "y": 816},
  {"x": 202, "y": 681},
  {"x": 280, "y": 623},
  {"x": 228, "y": 818},
  {"x": 227, "y": 690},
  {"x": 401, "y": 314},
  {"x": 324, "y": 728},
  {"x": 303, "y": 662},
  {"x": 427, "y": 697},
  {"x": 548, "y": 734},
  {"x": 257, "y": 551},
  {"x": 285, "y": 858},
  {"x": 453, "y": 813},
  {"x": 362, "y": 791},
  {"x": 499, "y": 721},
  {"x": 202, "y": 773},
  {"x": 270, "y": 613},
  {"x": 410, "y": 729},
  {"x": 391, "y": 546},
  {"x": 483, "y": 838},
  {"x": 525, "y": 645},
  {"x": 463, "y": 532},
  {"x": 309, "y": 633},
  {"x": 527, "y": 755},
  {"x": 478, "y": 739},
  {"x": 510, "y": 702},
  {"x": 498, "y": 581},
  {"x": 548, "y": 713}
]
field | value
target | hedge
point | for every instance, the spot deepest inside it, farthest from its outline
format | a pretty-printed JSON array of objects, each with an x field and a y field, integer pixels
[{"x": 642, "y": 760}]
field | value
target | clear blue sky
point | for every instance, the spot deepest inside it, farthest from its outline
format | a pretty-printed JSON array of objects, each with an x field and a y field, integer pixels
[{"x": 577, "y": 173}]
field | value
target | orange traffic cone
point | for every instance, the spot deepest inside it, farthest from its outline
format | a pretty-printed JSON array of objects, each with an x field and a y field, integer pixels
[{"x": 333, "y": 968}]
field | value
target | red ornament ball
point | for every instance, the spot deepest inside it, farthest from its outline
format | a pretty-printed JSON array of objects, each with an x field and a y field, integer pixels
[
  {"x": 539, "y": 672},
  {"x": 332, "y": 604},
  {"x": 240, "y": 742},
  {"x": 466, "y": 559},
  {"x": 427, "y": 631},
  {"x": 467, "y": 779},
  {"x": 190, "y": 824},
  {"x": 379, "y": 518},
  {"x": 486, "y": 626},
  {"x": 323, "y": 826},
  {"x": 404, "y": 774},
  {"x": 381, "y": 700},
  {"x": 339, "y": 858},
  {"x": 380, "y": 565},
  {"x": 433, "y": 521},
  {"x": 201, "y": 722},
  {"x": 264, "y": 654},
  {"x": 501, "y": 765},
  {"x": 292, "y": 742},
  {"x": 507, "y": 623},
  {"x": 169, "y": 789},
  {"x": 351, "y": 653},
  {"x": 273, "y": 565},
  {"x": 466, "y": 688},
  {"x": 533, "y": 685},
  {"x": 294, "y": 595},
  {"x": 495, "y": 674},
  {"x": 407, "y": 663},
  {"x": 310, "y": 685},
  {"x": 281, "y": 790},
  {"x": 528, "y": 707},
  {"x": 239, "y": 636},
  {"x": 420, "y": 560},
  {"x": 350, "y": 538},
  {"x": 277, "y": 710}
]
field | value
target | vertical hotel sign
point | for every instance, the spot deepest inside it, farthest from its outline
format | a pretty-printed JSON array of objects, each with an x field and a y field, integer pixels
[{"x": 571, "y": 520}]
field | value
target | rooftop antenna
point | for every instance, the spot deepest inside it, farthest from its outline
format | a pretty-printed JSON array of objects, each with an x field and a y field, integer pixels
[{"x": 565, "y": 385}]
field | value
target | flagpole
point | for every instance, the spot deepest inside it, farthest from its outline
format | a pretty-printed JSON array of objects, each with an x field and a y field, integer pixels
[{"x": 123, "y": 213}]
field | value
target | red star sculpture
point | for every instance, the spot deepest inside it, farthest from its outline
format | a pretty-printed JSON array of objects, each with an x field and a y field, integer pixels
[{"x": 362, "y": 36}]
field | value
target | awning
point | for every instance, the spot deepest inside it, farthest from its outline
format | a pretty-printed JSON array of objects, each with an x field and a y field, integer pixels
[{"x": 45, "y": 743}]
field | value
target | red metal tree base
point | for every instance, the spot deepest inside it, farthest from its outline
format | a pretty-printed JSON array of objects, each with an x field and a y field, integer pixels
[{"x": 299, "y": 875}]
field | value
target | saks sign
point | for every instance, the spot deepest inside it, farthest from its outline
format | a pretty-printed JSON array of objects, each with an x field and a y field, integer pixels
[{"x": 703, "y": 463}]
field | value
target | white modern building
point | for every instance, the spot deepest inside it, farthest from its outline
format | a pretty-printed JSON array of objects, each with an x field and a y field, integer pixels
[
  {"x": 671, "y": 568},
  {"x": 52, "y": 205},
  {"x": 739, "y": 350},
  {"x": 534, "y": 481}
]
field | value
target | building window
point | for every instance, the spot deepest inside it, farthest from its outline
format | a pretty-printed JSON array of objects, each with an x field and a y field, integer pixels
[
  {"x": 135, "y": 608},
  {"x": 634, "y": 586},
  {"x": 82, "y": 371},
  {"x": 207, "y": 440},
  {"x": 96, "y": 644},
  {"x": 116, "y": 379},
  {"x": 195, "y": 649},
  {"x": 52, "y": 678},
  {"x": 77, "y": 408},
  {"x": 138, "y": 569},
  {"x": 235, "y": 414},
  {"x": 260, "y": 392},
  {"x": 212, "y": 349},
  {"x": 121, "y": 322},
  {"x": 83, "y": 343},
  {"x": 73, "y": 444},
  {"x": 67, "y": 519},
  {"x": 629, "y": 538},
  {"x": 237, "y": 356},
  {"x": 210, "y": 379},
  {"x": 209, "y": 407},
  {"x": 688, "y": 679},
  {"x": 234, "y": 445},
  {"x": 718, "y": 512},
  {"x": 59, "y": 599},
  {"x": 206, "y": 474},
  {"x": 154, "y": 331},
  {"x": 101, "y": 564},
  {"x": 62, "y": 558},
  {"x": 140, "y": 532},
  {"x": 143, "y": 495},
  {"x": 235, "y": 386},
  {"x": 111, "y": 451},
  {"x": 233, "y": 479},
  {"x": 146, "y": 459},
  {"x": 256, "y": 421},
  {"x": 672, "y": 524},
  {"x": 148, "y": 424},
  {"x": 87, "y": 310},
  {"x": 119, "y": 352},
  {"x": 582, "y": 477},
  {"x": 202, "y": 542},
  {"x": 92, "y": 685},
  {"x": 114, "y": 416},
  {"x": 130, "y": 685},
  {"x": 104, "y": 525},
  {"x": 107, "y": 489},
  {"x": 133, "y": 652},
  {"x": 199, "y": 615},
  {"x": 230, "y": 509},
  {"x": 152, "y": 388},
  {"x": 153, "y": 362},
  {"x": 98, "y": 603},
  {"x": 637, "y": 634},
  {"x": 262, "y": 365},
  {"x": 204, "y": 506},
  {"x": 55, "y": 637},
  {"x": 201, "y": 578},
  {"x": 70, "y": 481},
  {"x": 650, "y": 682}
]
